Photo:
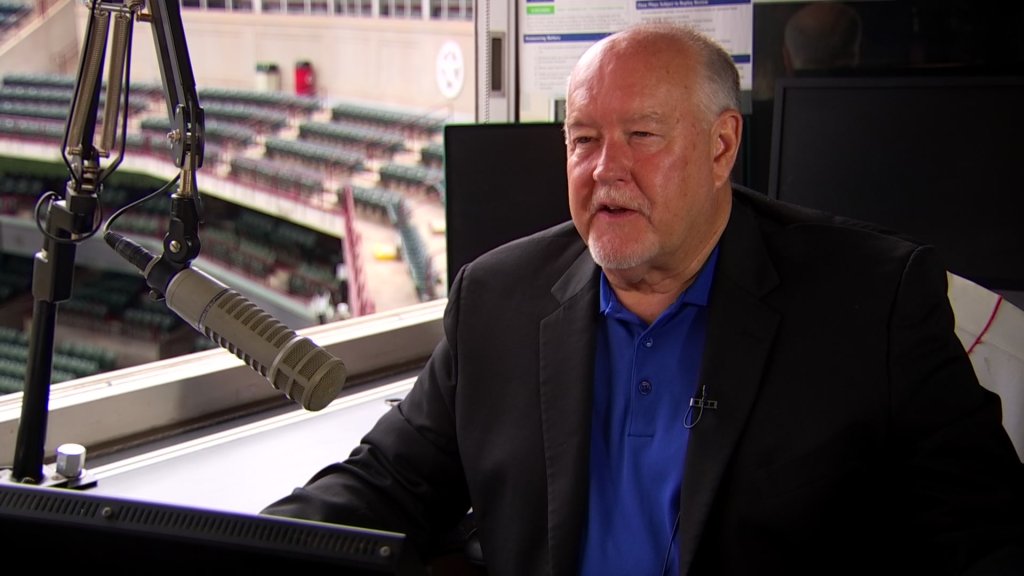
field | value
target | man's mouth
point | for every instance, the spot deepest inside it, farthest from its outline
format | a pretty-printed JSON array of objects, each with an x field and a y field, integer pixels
[{"x": 614, "y": 210}]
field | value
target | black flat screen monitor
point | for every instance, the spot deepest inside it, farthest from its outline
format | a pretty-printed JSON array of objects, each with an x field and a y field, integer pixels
[
  {"x": 502, "y": 182},
  {"x": 935, "y": 158},
  {"x": 58, "y": 529}
]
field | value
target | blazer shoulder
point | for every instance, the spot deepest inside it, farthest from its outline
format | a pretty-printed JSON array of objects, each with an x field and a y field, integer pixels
[
  {"x": 553, "y": 249},
  {"x": 781, "y": 220}
]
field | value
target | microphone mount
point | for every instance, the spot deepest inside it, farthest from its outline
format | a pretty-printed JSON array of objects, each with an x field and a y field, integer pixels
[{"x": 74, "y": 217}]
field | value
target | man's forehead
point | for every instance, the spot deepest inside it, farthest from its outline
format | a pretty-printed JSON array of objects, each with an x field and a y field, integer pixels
[{"x": 644, "y": 56}]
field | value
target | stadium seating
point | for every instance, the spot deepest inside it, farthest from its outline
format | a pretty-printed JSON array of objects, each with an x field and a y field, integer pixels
[
  {"x": 432, "y": 155},
  {"x": 330, "y": 159},
  {"x": 291, "y": 104},
  {"x": 277, "y": 176},
  {"x": 409, "y": 124},
  {"x": 375, "y": 142},
  {"x": 12, "y": 14},
  {"x": 266, "y": 139},
  {"x": 256, "y": 118},
  {"x": 411, "y": 178}
]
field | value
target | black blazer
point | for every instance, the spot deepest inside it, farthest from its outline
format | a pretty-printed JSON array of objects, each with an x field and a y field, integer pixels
[{"x": 851, "y": 434}]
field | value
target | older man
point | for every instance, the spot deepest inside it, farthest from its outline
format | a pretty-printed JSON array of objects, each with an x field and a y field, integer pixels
[{"x": 689, "y": 378}]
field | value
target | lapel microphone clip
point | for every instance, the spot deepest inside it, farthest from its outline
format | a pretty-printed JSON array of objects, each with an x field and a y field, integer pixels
[{"x": 700, "y": 403}]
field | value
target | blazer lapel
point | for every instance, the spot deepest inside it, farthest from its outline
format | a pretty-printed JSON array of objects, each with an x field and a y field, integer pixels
[
  {"x": 566, "y": 374},
  {"x": 739, "y": 336}
]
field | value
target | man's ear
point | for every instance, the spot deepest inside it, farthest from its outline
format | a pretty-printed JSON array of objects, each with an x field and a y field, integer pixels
[{"x": 726, "y": 133}]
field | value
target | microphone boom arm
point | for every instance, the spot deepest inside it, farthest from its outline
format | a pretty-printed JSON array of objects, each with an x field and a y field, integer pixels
[
  {"x": 187, "y": 136},
  {"x": 73, "y": 218}
]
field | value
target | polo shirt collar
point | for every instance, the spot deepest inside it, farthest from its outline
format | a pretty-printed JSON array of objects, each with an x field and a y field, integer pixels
[{"x": 695, "y": 295}]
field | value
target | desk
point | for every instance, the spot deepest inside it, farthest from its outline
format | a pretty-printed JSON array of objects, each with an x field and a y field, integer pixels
[{"x": 243, "y": 468}]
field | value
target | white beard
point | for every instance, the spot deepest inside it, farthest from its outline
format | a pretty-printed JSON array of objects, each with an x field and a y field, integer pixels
[{"x": 614, "y": 254}]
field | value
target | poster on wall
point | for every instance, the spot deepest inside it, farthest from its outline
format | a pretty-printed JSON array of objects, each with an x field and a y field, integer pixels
[{"x": 555, "y": 33}]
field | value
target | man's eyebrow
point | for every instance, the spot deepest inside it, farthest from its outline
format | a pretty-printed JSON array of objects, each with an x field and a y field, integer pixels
[
  {"x": 651, "y": 117},
  {"x": 574, "y": 123}
]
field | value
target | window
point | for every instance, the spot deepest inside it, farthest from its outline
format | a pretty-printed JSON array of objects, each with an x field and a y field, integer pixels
[
  {"x": 406, "y": 324},
  {"x": 451, "y": 9},
  {"x": 401, "y": 8}
]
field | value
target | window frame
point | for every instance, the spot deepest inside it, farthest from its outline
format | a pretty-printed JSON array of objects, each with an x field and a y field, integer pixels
[{"x": 122, "y": 408}]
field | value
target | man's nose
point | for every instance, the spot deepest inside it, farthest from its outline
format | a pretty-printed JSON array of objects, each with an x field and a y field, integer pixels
[{"x": 614, "y": 162}]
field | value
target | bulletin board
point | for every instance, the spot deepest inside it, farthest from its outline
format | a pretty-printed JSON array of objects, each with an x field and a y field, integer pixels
[{"x": 555, "y": 33}]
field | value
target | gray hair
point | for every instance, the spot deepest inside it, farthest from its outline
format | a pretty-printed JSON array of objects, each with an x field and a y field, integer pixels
[{"x": 719, "y": 89}]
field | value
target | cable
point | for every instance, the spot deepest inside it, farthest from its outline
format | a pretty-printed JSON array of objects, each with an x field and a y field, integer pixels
[
  {"x": 671, "y": 540},
  {"x": 991, "y": 319},
  {"x": 39, "y": 222},
  {"x": 50, "y": 195},
  {"x": 163, "y": 189}
]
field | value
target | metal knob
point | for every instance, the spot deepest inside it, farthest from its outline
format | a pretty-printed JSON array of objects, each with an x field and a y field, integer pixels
[{"x": 70, "y": 460}]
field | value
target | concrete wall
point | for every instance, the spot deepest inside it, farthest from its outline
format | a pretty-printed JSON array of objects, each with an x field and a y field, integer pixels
[
  {"x": 44, "y": 44},
  {"x": 385, "y": 62},
  {"x": 375, "y": 61}
]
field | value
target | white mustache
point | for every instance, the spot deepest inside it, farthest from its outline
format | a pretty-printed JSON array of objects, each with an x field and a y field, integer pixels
[{"x": 618, "y": 198}]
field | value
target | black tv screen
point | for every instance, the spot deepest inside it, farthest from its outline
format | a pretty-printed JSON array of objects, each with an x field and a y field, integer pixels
[
  {"x": 935, "y": 158},
  {"x": 502, "y": 182}
]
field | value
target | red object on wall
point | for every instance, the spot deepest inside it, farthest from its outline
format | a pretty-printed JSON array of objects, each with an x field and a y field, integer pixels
[{"x": 305, "y": 79}]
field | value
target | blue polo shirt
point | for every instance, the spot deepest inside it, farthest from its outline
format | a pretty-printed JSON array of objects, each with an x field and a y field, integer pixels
[{"x": 644, "y": 379}]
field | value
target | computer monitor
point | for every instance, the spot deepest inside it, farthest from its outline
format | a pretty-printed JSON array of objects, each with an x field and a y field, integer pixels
[
  {"x": 58, "y": 530},
  {"x": 936, "y": 158},
  {"x": 502, "y": 182}
]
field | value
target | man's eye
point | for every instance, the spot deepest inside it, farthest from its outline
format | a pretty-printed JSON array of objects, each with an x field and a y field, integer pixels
[{"x": 642, "y": 134}]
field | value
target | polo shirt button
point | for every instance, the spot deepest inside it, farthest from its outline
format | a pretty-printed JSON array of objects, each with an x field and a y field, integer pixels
[
  {"x": 648, "y": 342},
  {"x": 645, "y": 387}
]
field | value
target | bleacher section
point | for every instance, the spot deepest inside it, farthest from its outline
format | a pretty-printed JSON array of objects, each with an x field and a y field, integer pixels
[
  {"x": 281, "y": 176},
  {"x": 48, "y": 91},
  {"x": 404, "y": 177},
  {"x": 296, "y": 147},
  {"x": 385, "y": 203},
  {"x": 373, "y": 142},
  {"x": 419, "y": 126},
  {"x": 330, "y": 159},
  {"x": 119, "y": 305},
  {"x": 67, "y": 83},
  {"x": 11, "y": 16},
  {"x": 19, "y": 193},
  {"x": 34, "y": 107},
  {"x": 15, "y": 278},
  {"x": 107, "y": 303},
  {"x": 257, "y": 119},
  {"x": 293, "y": 105},
  {"x": 303, "y": 262},
  {"x": 18, "y": 109},
  {"x": 224, "y": 135},
  {"x": 392, "y": 206},
  {"x": 415, "y": 253},
  {"x": 432, "y": 155},
  {"x": 32, "y": 130}
]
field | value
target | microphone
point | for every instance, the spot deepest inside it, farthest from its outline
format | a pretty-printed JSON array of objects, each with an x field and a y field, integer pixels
[
  {"x": 293, "y": 364},
  {"x": 700, "y": 403}
]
